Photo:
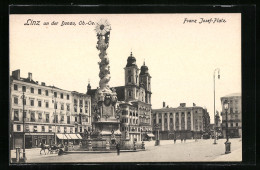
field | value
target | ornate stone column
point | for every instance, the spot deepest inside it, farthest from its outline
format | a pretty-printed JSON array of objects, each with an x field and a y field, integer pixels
[
  {"x": 179, "y": 120},
  {"x": 162, "y": 122},
  {"x": 168, "y": 121},
  {"x": 192, "y": 120},
  {"x": 185, "y": 120},
  {"x": 174, "y": 123}
]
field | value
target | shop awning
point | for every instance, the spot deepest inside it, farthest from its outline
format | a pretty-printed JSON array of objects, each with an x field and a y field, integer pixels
[
  {"x": 150, "y": 135},
  {"x": 61, "y": 136},
  {"x": 79, "y": 136},
  {"x": 68, "y": 136},
  {"x": 73, "y": 136}
]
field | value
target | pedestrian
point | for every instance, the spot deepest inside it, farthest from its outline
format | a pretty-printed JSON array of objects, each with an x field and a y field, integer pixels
[
  {"x": 181, "y": 140},
  {"x": 184, "y": 140},
  {"x": 118, "y": 148}
]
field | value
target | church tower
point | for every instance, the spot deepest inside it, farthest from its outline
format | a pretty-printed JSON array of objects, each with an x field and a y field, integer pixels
[
  {"x": 145, "y": 81},
  {"x": 131, "y": 79}
]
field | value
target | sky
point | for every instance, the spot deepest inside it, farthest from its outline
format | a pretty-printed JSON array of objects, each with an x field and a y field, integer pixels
[{"x": 181, "y": 57}]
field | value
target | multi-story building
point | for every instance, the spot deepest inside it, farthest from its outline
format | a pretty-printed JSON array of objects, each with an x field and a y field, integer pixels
[
  {"x": 234, "y": 115},
  {"x": 181, "y": 122},
  {"x": 48, "y": 115},
  {"x": 135, "y": 101}
]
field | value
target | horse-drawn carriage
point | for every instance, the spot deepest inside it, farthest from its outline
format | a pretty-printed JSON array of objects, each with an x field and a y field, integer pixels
[{"x": 52, "y": 148}]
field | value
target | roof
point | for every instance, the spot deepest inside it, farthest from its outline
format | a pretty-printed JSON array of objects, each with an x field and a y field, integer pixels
[
  {"x": 233, "y": 95},
  {"x": 120, "y": 91}
]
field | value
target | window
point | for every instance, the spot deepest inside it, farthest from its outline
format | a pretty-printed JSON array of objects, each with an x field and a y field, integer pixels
[
  {"x": 80, "y": 129},
  {"x": 50, "y": 128},
  {"x": 47, "y": 118},
  {"x": 68, "y": 107},
  {"x": 160, "y": 120},
  {"x": 129, "y": 79},
  {"x": 32, "y": 102},
  {"x": 24, "y": 88},
  {"x": 75, "y": 109},
  {"x": 76, "y": 130},
  {"x": 43, "y": 128},
  {"x": 47, "y": 104},
  {"x": 80, "y": 110},
  {"x": 68, "y": 119},
  {"x": 15, "y": 100},
  {"x": 18, "y": 127},
  {"x": 16, "y": 115},
  {"x": 55, "y": 94},
  {"x": 34, "y": 128},
  {"x": 39, "y": 91},
  {"x": 68, "y": 97},
  {"x": 58, "y": 129},
  {"x": 76, "y": 119},
  {"x": 40, "y": 116},
  {"x": 46, "y": 92},
  {"x": 154, "y": 121},
  {"x": 86, "y": 110},
  {"x": 32, "y": 90},
  {"x": 62, "y": 107},
  {"x": 171, "y": 120},
  {"x": 32, "y": 117},
  {"x": 62, "y": 118},
  {"x": 55, "y": 105},
  {"x": 236, "y": 124},
  {"x": 231, "y": 124},
  {"x": 129, "y": 93},
  {"x": 75, "y": 102},
  {"x": 39, "y": 103},
  {"x": 61, "y": 95},
  {"x": 65, "y": 129},
  {"x": 71, "y": 130},
  {"x": 15, "y": 87}
]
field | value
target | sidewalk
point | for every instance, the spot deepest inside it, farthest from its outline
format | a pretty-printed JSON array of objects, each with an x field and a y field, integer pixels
[
  {"x": 236, "y": 155},
  {"x": 32, "y": 153}
]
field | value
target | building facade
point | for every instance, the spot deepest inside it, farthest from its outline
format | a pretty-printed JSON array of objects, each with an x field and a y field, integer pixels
[
  {"x": 234, "y": 115},
  {"x": 49, "y": 116},
  {"x": 134, "y": 99},
  {"x": 181, "y": 122}
]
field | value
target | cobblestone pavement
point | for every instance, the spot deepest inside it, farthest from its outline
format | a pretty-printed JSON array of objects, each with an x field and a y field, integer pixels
[{"x": 190, "y": 151}]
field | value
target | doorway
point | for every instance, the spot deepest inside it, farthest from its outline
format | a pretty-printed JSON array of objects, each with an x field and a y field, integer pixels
[{"x": 28, "y": 142}]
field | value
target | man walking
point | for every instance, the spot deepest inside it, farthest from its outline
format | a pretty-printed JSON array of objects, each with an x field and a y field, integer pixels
[{"x": 118, "y": 148}]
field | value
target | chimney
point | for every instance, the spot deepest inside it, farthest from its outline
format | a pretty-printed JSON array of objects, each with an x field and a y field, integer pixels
[
  {"x": 43, "y": 84},
  {"x": 182, "y": 104},
  {"x": 30, "y": 76},
  {"x": 16, "y": 74},
  {"x": 163, "y": 104}
]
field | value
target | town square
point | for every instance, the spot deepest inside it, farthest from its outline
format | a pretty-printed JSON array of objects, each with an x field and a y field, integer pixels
[{"x": 118, "y": 90}]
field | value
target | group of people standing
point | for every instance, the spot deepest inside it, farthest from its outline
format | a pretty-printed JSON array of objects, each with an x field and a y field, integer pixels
[{"x": 182, "y": 139}]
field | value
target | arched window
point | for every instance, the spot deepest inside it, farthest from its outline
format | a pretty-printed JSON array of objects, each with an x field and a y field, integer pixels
[{"x": 130, "y": 93}]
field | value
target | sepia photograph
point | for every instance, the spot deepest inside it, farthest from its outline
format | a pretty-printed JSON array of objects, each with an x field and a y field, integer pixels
[{"x": 101, "y": 88}]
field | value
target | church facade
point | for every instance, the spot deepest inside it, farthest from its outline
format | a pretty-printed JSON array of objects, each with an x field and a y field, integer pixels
[{"x": 134, "y": 99}]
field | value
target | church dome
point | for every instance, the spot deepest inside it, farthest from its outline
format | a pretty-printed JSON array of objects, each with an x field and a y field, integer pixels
[
  {"x": 131, "y": 61},
  {"x": 144, "y": 69}
]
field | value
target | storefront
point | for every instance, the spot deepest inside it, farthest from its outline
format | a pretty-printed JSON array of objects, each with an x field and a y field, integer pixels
[
  {"x": 32, "y": 140},
  {"x": 66, "y": 138}
]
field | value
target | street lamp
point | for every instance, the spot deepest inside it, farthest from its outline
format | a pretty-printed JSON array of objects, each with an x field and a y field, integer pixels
[
  {"x": 227, "y": 143},
  {"x": 55, "y": 106},
  {"x": 217, "y": 69},
  {"x": 24, "y": 157}
]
